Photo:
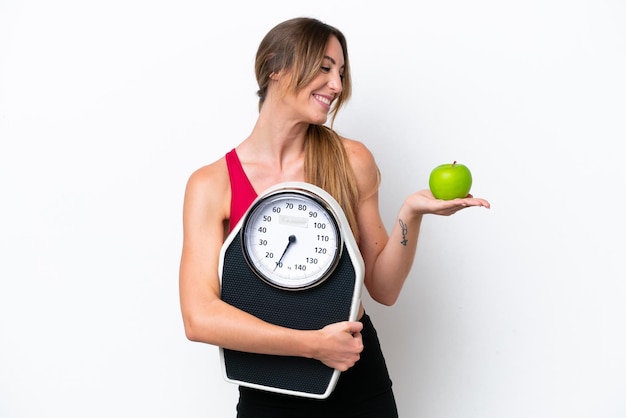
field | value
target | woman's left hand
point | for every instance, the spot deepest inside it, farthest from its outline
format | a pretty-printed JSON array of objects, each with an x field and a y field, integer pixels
[{"x": 424, "y": 202}]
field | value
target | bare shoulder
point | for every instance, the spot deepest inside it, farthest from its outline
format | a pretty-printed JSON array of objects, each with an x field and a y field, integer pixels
[
  {"x": 213, "y": 172},
  {"x": 208, "y": 189},
  {"x": 364, "y": 165}
]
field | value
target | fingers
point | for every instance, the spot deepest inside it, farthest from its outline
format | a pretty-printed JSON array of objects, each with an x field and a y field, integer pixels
[
  {"x": 449, "y": 207},
  {"x": 355, "y": 326},
  {"x": 343, "y": 345},
  {"x": 355, "y": 331},
  {"x": 424, "y": 202},
  {"x": 467, "y": 203}
]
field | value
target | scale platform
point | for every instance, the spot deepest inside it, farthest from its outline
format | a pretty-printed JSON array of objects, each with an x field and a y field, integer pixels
[{"x": 335, "y": 299}]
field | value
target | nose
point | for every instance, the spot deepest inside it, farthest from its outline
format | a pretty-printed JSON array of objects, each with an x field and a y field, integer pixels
[{"x": 335, "y": 83}]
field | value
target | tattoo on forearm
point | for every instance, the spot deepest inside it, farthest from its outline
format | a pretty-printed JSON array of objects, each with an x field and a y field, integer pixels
[{"x": 404, "y": 232}]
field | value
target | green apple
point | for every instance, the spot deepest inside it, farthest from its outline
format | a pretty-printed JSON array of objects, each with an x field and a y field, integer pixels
[{"x": 450, "y": 181}]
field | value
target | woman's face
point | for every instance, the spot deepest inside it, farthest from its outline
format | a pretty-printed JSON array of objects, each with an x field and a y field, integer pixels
[{"x": 314, "y": 101}]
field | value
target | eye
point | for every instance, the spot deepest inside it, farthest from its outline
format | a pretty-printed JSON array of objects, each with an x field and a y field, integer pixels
[{"x": 328, "y": 69}]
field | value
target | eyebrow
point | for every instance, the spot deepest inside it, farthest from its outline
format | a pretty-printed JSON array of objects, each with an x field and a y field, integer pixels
[{"x": 332, "y": 60}]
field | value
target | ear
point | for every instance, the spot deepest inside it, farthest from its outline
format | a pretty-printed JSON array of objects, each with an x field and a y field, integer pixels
[{"x": 275, "y": 76}]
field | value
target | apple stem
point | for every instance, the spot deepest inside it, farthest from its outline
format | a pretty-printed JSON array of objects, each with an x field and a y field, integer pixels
[{"x": 454, "y": 163}]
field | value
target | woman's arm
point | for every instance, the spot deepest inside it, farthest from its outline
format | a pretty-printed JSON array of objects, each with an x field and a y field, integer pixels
[
  {"x": 389, "y": 257},
  {"x": 210, "y": 320}
]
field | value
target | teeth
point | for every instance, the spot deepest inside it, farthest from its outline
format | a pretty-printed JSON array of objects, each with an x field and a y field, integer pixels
[{"x": 323, "y": 99}]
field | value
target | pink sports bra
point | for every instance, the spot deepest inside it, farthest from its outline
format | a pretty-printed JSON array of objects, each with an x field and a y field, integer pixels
[{"x": 242, "y": 194}]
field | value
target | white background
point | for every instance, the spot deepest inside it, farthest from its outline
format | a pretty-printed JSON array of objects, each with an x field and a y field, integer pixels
[{"x": 107, "y": 107}]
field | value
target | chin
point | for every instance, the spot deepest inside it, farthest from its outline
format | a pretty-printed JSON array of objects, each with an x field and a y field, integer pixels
[{"x": 319, "y": 121}]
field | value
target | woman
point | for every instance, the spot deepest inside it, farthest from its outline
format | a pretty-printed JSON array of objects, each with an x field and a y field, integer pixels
[{"x": 303, "y": 73}]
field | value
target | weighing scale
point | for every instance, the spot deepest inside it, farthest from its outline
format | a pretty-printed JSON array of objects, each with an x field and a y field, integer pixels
[{"x": 293, "y": 261}]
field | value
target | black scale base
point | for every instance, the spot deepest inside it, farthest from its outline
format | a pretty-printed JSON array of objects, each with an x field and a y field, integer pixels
[{"x": 314, "y": 308}]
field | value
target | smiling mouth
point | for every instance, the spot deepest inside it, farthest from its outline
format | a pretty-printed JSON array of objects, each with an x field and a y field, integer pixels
[{"x": 323, "y": 99}]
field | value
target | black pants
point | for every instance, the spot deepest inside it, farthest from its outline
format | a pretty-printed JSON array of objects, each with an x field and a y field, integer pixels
[{"x": 363, "y": 391}]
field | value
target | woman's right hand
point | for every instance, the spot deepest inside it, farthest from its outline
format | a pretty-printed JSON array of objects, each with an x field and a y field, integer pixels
[{"x": 340, "y": 344}]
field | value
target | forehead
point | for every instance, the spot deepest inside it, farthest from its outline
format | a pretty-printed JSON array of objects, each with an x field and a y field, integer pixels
[{"x": 334, "y": 52}]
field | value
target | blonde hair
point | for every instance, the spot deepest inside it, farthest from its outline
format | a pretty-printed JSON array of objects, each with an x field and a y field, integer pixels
[{"x": 298, "y": 46}]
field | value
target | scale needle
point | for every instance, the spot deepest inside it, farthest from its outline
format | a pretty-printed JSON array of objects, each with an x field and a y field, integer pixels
[{"x": 292, "y": 239}]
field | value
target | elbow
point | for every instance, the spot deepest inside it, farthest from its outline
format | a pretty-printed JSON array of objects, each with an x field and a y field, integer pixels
[
  {"x": 190, "y": 332},
  {"x": 192, "y": 328},
  {"x": 387, "y": 300},
  {"x": 383, "y": 293},
  {"x": 384, "y": 297},
  {"x": 201, "y": 323}
]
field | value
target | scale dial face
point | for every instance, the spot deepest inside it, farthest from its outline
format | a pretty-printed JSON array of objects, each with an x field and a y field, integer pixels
[{"x": 291, "y": 239}]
